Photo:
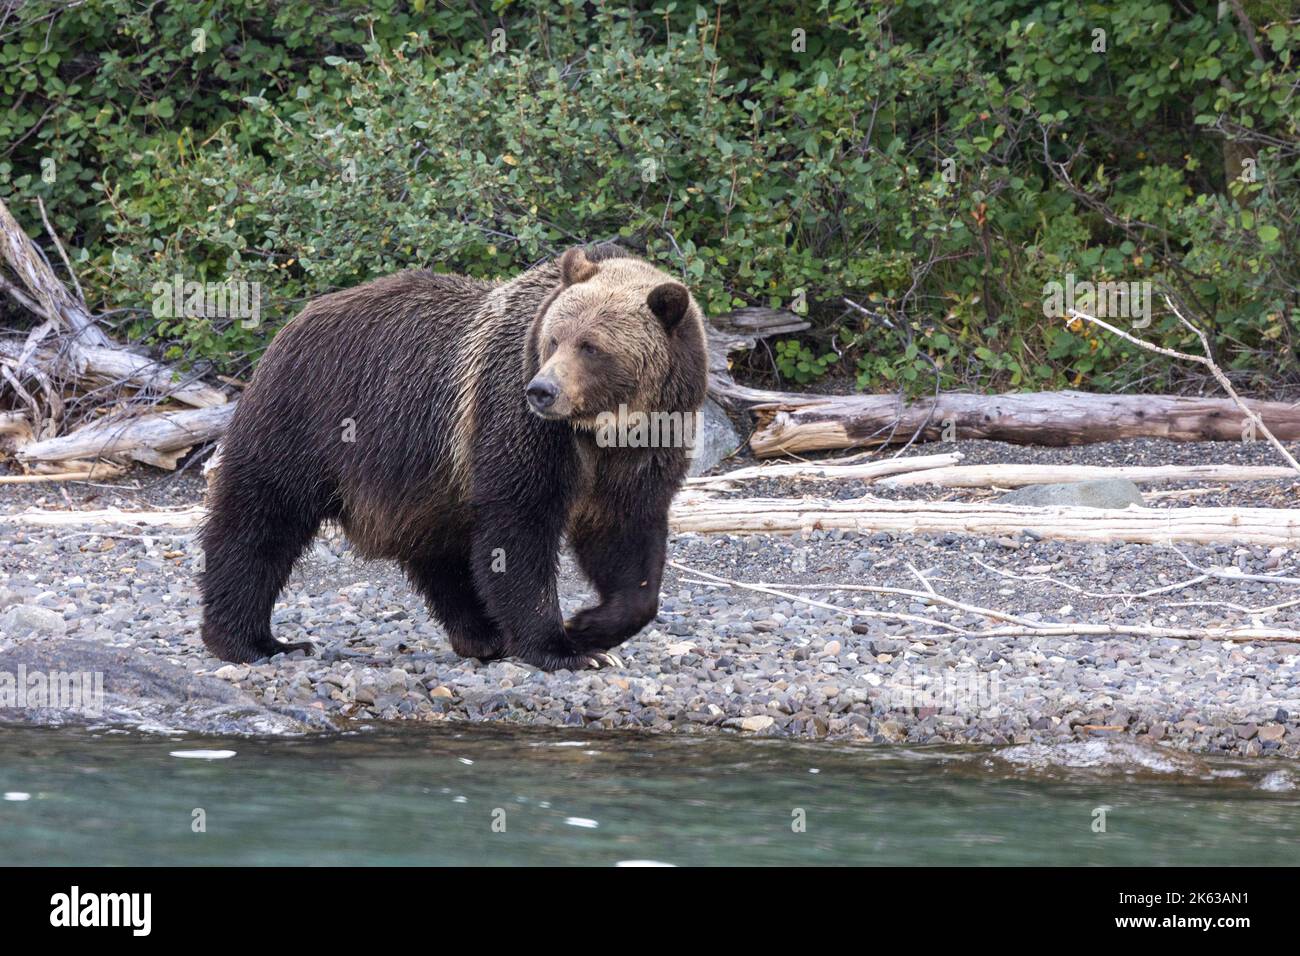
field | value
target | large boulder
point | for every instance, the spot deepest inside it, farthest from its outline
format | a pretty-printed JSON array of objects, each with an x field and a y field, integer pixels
[{"x": 715, "y": 439}]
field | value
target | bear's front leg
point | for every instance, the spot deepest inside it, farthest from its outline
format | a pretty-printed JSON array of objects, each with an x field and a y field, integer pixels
[
  {"x": 623, "y": 556},
  {"x": 515, "y": 559}
]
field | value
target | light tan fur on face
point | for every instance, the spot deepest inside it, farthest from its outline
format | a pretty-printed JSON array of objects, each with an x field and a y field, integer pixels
[
  {"x": 606, "y": 299},
  {"x": 608, "y": 309}
]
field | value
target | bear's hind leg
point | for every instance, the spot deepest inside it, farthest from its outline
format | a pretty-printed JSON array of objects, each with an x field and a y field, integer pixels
[
  {"x": 447, "y": 586},
  {"x": 250, "y": 542}
]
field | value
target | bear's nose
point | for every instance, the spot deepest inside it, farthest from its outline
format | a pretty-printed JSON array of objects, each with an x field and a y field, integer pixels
[{"x": 542, "y": 394}]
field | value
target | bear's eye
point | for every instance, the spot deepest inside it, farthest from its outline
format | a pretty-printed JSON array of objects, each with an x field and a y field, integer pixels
[
  {"x": 588, "y": 349},
  {"x": 555, "y": 343}
]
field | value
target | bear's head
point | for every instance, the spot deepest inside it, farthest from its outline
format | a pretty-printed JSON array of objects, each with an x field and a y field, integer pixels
[{"x": 615, "y": 332}]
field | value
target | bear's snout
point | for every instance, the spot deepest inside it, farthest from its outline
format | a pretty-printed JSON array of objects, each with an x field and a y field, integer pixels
[{"x": 542, "y": 393}]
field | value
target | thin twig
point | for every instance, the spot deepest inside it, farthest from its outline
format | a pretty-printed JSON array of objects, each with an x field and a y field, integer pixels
[
  {"x": 1204, "y": 360},
  {"x": 62, "y": 254},
  {"x": 1021, "y": 626}
]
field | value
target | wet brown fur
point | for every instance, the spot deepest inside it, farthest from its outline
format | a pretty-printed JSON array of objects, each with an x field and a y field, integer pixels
[{"x": 450, "y": 473}]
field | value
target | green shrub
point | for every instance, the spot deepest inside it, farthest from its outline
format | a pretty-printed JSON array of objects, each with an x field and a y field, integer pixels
[{"x": 917, "y": 172}]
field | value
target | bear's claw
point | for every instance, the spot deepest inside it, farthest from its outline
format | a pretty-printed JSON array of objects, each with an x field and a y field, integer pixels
[{"x": 574, "y": 662}]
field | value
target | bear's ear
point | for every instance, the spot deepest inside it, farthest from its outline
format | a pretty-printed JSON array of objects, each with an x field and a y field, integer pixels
[
  {"x": 669, "y": 303},
  {"x": 575, "y": 266}
]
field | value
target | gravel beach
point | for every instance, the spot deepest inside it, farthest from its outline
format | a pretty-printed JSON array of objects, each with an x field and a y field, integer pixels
[{"x": 719, "y": 657}]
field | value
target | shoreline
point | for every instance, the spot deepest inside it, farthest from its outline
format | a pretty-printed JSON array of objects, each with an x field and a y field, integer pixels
[{"x": 719, "y": 658}]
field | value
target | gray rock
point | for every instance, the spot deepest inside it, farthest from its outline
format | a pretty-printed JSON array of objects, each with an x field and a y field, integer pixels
[
  {"x": 23, "y": 620},
  {"x": 715, "y": 439},
  {"x": 1106, "y": 493},
  {"x": 138, "y": 689}
]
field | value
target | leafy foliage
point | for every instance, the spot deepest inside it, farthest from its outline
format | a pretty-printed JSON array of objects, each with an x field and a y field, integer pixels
[{"x": 917, "y": 172}]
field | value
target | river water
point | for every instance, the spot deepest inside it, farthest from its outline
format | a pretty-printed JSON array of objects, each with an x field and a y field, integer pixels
[{"x": 462, "y": 794}]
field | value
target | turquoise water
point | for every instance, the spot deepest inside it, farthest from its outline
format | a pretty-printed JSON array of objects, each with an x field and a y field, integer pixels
[{"x": 481, "y": 795}]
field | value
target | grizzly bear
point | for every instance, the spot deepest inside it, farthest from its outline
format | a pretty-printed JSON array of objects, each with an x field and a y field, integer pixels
[{"x": 454, "y": 426}]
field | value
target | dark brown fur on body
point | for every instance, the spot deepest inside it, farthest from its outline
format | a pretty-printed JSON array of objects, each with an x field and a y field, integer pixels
[{"x": 401, "y": 409}]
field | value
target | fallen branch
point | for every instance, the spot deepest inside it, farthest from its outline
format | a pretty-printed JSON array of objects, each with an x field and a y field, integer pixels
[
  {"x": 826, "y": 470},
  {"x": 1015, "y": 476},
  {"x": 1205, "y": 574},
  {"x": 704, "y": 515},
  {"x": 1023, "y": 627},
  {"x": 787, "y": 595},
  {"x": 42, "y": 518}
]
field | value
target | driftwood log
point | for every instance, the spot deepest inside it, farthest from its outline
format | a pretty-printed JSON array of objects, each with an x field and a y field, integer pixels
[
  {"x": 697, "y": 512},
  {"x": 1015, "y": 476},
  {"x": 68, "y": 361},
  {"x": 157, "y": 439},
  {"x": 792, "y": 424},
  {"x": 1263, "y": 526},
  {"x": 101, "y": 367}
]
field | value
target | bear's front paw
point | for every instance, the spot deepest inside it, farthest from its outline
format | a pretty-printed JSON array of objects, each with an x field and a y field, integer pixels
[
  {"x": 612, "y": 622},
  {"x": 590, "y": 629},
  {"x": 580, "y": 661}
]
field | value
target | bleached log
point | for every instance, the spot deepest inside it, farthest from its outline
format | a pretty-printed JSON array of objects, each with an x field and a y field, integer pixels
[
  {"x": 152, "y": 434},
  {"x": 827, "y": 470},
  {"x": 791, "y": 423},
  {"x": 109, "y": 365},
  {"x": 703, "y": 515},
  {"x": 1015, "y": 476},
  {"x": 95, "y": 367},
  {"x": 1263, "y": 526},
  {"x": 180, "y": 518},
  {"x": 97, "y": 471}
]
